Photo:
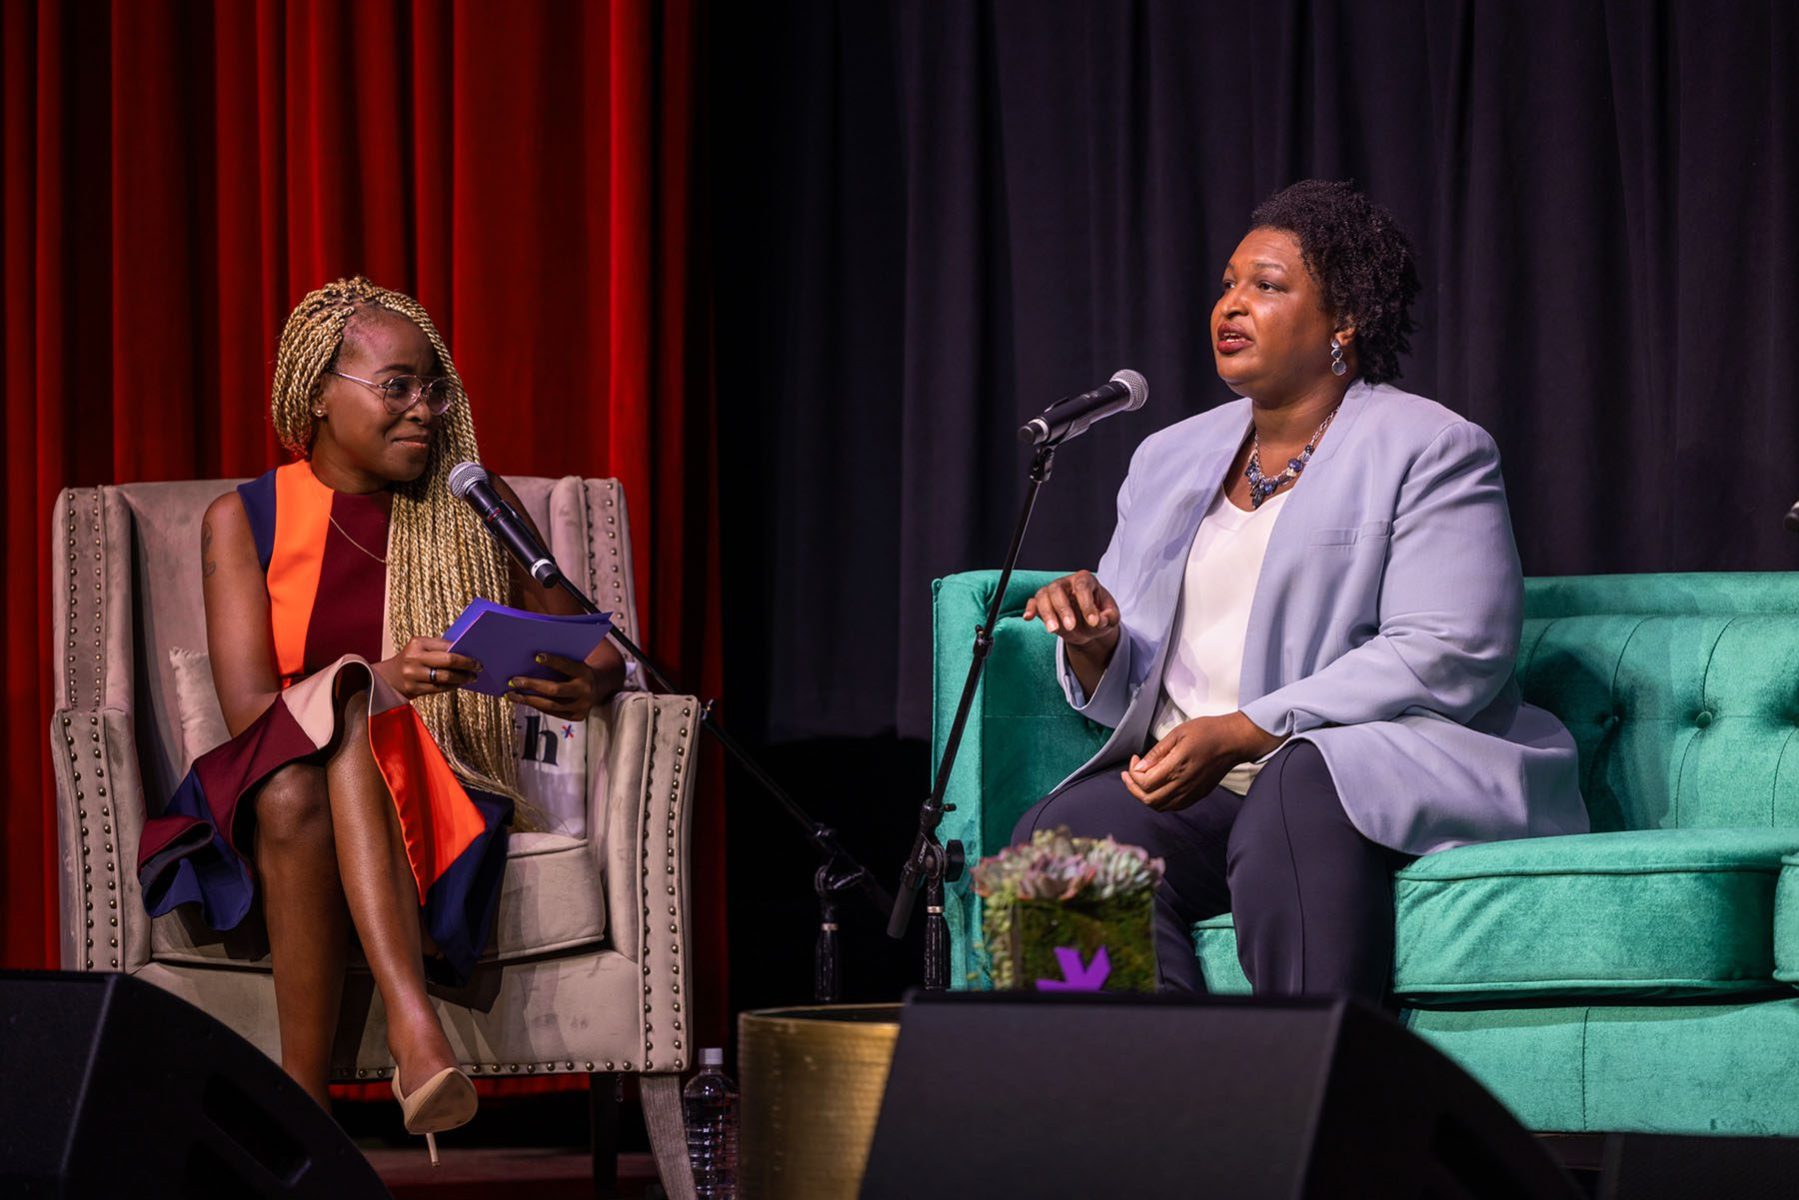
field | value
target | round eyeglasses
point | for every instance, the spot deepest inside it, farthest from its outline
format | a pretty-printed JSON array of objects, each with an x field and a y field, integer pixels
[{"x": 403, "y": 391}]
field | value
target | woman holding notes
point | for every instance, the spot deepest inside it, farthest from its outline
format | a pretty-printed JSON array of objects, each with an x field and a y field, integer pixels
[{"x": 360, "y": 786}]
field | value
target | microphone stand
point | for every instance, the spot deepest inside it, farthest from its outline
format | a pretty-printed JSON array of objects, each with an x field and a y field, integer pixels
[
  {"x": 838, "y": 871},
  {"x": 931, "y": 863}
]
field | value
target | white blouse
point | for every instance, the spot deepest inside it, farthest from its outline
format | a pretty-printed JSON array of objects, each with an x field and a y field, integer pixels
[{"x": 1205, "y": 661}]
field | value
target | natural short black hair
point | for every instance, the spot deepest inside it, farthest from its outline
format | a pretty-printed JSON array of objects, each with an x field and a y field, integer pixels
[{"x": 1360, "y": 257}]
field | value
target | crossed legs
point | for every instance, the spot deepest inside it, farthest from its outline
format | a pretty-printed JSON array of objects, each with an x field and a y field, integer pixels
[{"x": 329, "y": 853}]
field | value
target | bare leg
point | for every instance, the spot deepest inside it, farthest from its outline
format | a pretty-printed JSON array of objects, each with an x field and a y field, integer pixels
[
  {"x": 303, "y": 904},
  {"x": 384, "y": 902}
]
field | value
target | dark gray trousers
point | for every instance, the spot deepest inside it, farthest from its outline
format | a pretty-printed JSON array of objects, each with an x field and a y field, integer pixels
[{"x": 1311, "y": 897}]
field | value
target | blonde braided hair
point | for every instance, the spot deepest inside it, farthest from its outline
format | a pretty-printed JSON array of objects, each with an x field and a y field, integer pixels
[{"x": 439, "y": 557}]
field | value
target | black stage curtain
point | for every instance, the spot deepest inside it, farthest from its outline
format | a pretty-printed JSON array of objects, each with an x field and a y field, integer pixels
[{"x": 935, "y": 218}]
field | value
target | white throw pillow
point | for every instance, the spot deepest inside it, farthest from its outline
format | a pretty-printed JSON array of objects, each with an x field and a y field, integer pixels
[{"x": 197, "y": 704}]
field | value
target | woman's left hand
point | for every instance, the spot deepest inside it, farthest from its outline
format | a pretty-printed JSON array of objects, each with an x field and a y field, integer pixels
[
  {"x": 1187, "y": 764},
  {"x": 570, "y": 698}
]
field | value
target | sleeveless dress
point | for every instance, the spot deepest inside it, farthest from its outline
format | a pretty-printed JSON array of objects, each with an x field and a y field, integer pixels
[{"x": 327, "y": 610}]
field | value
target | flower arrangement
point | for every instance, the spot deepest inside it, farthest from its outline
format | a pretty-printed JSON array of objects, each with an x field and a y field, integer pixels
[{"x": 1062, "y": 891}]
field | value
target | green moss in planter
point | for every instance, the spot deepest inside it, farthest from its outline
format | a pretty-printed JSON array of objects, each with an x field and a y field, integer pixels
[{"x": 1122, "y": 925}]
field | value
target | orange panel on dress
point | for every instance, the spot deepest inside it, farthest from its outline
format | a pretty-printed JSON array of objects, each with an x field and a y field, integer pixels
[
  {"x": 302, "y": 514},
  {"x": 437, "y": 819}
]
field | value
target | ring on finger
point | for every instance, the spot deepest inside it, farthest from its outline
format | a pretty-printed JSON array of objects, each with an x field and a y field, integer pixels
[{"x": 433, "y": 676}]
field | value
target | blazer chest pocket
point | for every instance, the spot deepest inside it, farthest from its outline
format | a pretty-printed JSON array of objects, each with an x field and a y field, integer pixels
[{"x": 1368, "y": 531}]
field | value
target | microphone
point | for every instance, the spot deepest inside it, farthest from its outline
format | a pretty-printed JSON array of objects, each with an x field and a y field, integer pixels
[
  {"x": 1070, "y": 416},
  {"x": 468, "y": 481}
]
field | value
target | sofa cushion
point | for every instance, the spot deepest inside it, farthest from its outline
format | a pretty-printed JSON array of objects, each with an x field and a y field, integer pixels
[
  {"x": 1710, "y": 1069},
  {"x": 1786, "y": 921},
  {"x": 1660, "y": 913},
  {"x": 1644, "y": 913},
  {"x": 1682, "y": 722},
  {"x": 551, "y": 901}
]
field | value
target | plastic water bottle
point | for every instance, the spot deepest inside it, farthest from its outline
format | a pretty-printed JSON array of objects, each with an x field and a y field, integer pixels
[{"x": 709, "y": 1104}]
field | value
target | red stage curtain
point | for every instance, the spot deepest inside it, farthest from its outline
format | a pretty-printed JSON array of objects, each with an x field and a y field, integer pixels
[{"x": 178, "y": 174}]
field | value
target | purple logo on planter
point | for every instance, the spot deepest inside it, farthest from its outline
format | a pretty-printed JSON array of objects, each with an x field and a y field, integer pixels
[{"x": 1076, "y": 976}]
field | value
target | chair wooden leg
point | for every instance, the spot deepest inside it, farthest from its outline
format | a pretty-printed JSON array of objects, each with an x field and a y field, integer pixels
[
  {"x": 668, "y": 1133},
  {"x": 602, "y": 1111}
]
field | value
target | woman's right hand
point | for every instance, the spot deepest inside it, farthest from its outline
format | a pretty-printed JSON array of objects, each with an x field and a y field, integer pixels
[
  {"x": 425, "y": 667},
  {"x": 1078, "y": 609}
]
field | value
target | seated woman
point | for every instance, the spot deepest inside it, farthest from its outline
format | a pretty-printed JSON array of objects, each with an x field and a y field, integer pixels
[
  {"x": 363, "y": 786},
  {"x": 1303, "y": 630}
]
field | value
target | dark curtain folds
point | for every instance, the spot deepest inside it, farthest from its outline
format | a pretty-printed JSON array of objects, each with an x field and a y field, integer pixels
[
  {"x": 178, "y": 174},
  {"x": 945, "y": 216}
]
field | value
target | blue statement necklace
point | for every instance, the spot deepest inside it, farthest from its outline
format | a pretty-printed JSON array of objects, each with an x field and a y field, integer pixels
[{"x": 1260, "y": 486}]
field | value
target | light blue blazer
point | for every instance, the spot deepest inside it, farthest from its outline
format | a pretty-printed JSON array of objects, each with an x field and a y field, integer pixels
[{"x": 1384, "y": 626}]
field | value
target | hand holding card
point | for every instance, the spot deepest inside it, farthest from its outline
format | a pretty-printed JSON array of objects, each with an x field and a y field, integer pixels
[{"x": 508, "y": 643}]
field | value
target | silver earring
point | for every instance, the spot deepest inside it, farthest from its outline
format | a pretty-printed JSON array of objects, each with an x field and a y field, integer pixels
[
  {"x": 1338, "y": 366},
  {"x": 320, "y": 413}
]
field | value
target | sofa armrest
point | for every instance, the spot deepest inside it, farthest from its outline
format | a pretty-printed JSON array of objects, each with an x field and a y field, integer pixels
[
  {"x": 1022, "y": 737},
  {"x": 93, "y": 740},
  {"x": 99, "y": 817},
  {"x": 637, "y": 822}
]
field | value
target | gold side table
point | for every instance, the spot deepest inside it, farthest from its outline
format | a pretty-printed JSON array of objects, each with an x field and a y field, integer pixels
[{"x": 812, "y": 1080}]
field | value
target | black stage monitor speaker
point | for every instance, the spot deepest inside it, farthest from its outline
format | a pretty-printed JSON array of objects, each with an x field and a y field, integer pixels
[
  {"x": 113, "y": 1087},
  {"x": 996, "y": 1095},
  {"x": 1654, "y": 1166}
]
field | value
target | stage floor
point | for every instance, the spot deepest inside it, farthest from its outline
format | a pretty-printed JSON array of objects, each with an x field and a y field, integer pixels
[
  {"x": 485, "y": 1171},
  {"x": 561, "y": 1174}
]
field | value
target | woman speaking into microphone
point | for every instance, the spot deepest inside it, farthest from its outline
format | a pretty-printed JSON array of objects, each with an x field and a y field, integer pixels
[
  {"x": 1303, "y": 630},
  {"x": 327, "y": 582}
]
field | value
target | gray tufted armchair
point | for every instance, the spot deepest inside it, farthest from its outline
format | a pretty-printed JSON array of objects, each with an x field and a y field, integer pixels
[{"x": 588, "y": 970}]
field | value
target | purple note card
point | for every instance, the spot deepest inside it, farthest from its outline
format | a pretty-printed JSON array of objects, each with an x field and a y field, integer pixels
[{"x": 506, "y": 642}]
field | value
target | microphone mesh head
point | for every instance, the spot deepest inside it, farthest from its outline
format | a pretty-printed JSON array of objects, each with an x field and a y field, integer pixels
[
  {"x": 465, "y": 475},
  {"x": 1137, "y": 385}
]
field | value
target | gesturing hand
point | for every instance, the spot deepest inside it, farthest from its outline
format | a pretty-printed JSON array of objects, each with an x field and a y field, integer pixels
[
  {"x": 1188, "y": 763},
  {"x": 570, "y": 698},
  {"x": 1076, "y": 608},
  {"x": 425, "y": 666}
]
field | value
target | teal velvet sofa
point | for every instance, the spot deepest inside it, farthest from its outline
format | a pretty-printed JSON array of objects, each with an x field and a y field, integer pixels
[{"x": 1638, "y": 978}]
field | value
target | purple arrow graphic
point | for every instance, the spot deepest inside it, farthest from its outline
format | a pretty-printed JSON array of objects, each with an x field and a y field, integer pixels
[{"x": 1077, "y": 977}]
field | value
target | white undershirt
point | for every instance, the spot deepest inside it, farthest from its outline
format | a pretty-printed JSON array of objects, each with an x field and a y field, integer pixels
[{"x": 1205, "y": 661}]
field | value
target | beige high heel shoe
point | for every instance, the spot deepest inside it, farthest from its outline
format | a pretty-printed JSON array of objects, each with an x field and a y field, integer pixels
[{"x": 444, "y": 1101}]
